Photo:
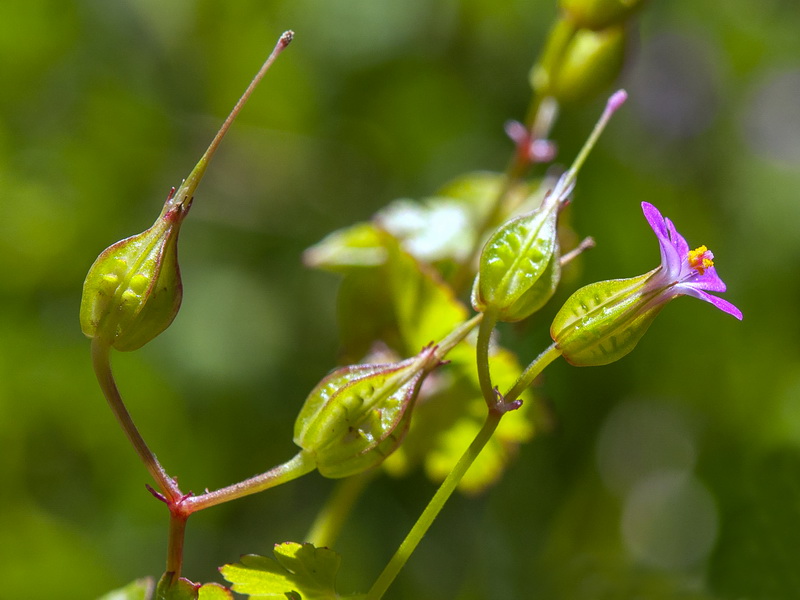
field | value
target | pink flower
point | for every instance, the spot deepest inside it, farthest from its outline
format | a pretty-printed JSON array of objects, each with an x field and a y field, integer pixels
[{"x": 684, "y": 272}]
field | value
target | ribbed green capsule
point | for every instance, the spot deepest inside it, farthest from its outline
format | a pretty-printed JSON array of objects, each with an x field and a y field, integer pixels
[
  {"x": 602, "y": 322},
  {"x": 519, "y": 266},
  {"x": 358, "y": 415},
  {"x": 577, "y": 65},
  {"x": 599, "y": 14},
  {"x": 133, "y": 290}
]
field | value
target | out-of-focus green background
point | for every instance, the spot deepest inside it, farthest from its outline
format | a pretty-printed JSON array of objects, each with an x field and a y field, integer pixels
[{"x": 674, "y": 473}]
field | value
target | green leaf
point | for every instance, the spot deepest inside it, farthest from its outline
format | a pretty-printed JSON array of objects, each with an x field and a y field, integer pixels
[
  {"x": 407, "y": 302},
  {"x": 214, "y": 591},
  {"x": 443, "y": 228},
  {"x": 141, "y": 589},
  {"x": 299, "y": 571},
  {"x": 359, "y": 245},
  {"x": 425, "y": 308}
]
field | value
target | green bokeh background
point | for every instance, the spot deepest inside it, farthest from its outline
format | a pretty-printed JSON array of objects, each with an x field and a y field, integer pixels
[{"x": 674, "y": 473}]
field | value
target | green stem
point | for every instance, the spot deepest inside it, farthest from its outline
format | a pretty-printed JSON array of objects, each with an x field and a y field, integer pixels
[
  {"x": 101, "y": 362},
  {"x": 452, "y": 480},
  {"x": 532, "y": 372},
  {"x": 482, "y": 357},
  {"x": 457, "y": 336},
  {"x": 435, "y": 506},
  {"x": 300, "y": 465},
  {"x": 330, "y": 520}
]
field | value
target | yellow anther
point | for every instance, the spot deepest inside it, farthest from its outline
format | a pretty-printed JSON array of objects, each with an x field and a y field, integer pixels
[{"x": 700, "y": 259}]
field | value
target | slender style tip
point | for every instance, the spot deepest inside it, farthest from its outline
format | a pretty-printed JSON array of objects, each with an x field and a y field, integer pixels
[
  {"x": 616, "y": 100},
  {"x": 286, "y": 38}
]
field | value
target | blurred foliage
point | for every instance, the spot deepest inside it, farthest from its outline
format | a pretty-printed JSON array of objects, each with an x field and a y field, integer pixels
[{"x": 671, "y": 474}]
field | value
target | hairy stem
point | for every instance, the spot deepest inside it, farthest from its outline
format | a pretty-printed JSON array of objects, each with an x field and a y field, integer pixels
[
  {"x": 300, "y": 465},
  {"x": 101, "y": 362}
]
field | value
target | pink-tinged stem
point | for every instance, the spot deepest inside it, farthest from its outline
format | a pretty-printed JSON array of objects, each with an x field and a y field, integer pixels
[
  {"x": 101, "y": 361},
  {"x": 187, "y": 188}
]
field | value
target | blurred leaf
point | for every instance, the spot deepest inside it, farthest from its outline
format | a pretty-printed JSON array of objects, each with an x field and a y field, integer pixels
[
  {"x": 141, "y": 589},
  {"x": 443, "y": 230},
  {"x": 398, "y": 300},
  {"x": 426, "y": 309},
  {"x": 355, "y": 246},
  {"x": 214, "y": 591},
  {"x": 450, "y": 417},
  {"x": 298, "y": 571}
]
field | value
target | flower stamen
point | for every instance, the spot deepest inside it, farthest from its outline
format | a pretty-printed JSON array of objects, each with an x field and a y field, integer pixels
[{"x": 700, "y": 259}]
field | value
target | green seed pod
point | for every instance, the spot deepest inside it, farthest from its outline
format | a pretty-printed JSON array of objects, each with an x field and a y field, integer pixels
[
  {"x": 356, "y": 416},
  {"x": 577, "y": 65},
  {"x": 599, "y": 14},
  {"x": 602, "y": 322},
  {"x": 133, "y": 290},
  {"x": 519, "y": 266}
]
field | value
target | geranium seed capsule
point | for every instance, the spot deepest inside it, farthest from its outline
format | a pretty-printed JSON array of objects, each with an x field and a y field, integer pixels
[
  {"x": 133, "y": 290},
  {"x": 357, "y": 415},
  {"x": 520, "y": 267}
]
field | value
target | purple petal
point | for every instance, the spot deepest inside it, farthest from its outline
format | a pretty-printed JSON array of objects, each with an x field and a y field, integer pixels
[
  {"x": 709, "y": 280},
  {"x": 721, "y": 304},
  {"x": 678, "y": 241},
  {"x": 671, "y": 259},
  {"x": 518, "y": 133}
]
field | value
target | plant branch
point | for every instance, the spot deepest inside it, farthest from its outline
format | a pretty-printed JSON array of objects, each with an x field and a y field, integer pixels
[
  {"x": 101, "y": 362},
  {"x": 482, "y": 357},
  {"x": 532, "y": 372},
  {"x": 300, "y": 465},
  {"x": 435, "y": 506}
]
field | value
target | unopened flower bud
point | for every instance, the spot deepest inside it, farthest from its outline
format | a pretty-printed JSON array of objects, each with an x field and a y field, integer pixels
[
  {"x": 583, "y": 63},
  {"x": 133, "y": 290},
  {"x": 599, "y": 14},
  {"x": 356, "y": 416}
]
